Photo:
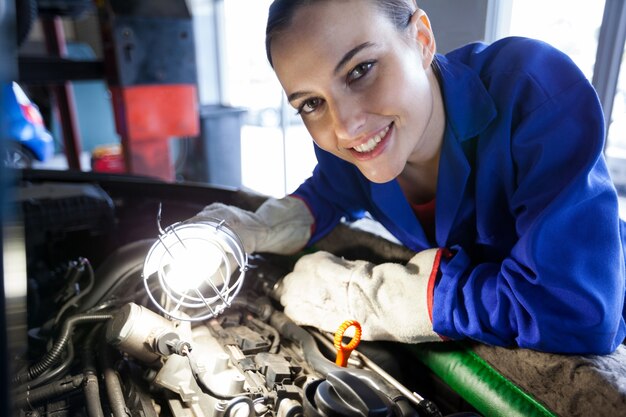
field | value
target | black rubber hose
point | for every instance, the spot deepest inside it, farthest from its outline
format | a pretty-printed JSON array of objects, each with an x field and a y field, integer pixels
[
  {"x": 113, "y": 386},
  {"x": 88, "y": 354},
  {"x": 53, "y": 354},
  {"x": 92, "y": 396},
  {"x": 74, "y": 301},
  {"x": 403, "y": 407},
  {"x": 46, "y": 392},
  {"x": 92, "y": 387},
  {"x": 56, "y": 372}
]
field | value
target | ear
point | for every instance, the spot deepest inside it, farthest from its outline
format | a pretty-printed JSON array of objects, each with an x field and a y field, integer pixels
[{"x": 424, "y": 36}]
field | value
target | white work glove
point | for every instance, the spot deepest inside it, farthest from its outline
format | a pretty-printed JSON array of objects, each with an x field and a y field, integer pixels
[
  {"x": 281, "y": 226},
  {"x": 390, "y": 300}
]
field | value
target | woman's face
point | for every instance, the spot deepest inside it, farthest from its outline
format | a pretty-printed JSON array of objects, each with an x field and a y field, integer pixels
[{"x": 364, "y": 89}]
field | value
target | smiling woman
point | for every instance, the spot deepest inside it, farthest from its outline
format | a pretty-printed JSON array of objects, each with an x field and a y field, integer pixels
[
  {"x": 356, "y": 93},
  {"x": 486, "y": 162}
]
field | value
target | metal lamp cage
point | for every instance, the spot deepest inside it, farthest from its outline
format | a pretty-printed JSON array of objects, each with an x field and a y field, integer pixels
[{"x": 194, "y": 270}]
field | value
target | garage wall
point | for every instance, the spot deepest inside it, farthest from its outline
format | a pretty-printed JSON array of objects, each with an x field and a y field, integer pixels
[{"x": 456, "y": 22}]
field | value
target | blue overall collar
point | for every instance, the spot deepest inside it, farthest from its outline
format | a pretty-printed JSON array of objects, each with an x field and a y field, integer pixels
[{"x": 469, "y": 110}]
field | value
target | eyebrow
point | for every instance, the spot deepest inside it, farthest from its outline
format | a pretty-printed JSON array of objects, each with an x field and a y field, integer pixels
[
  {"x": 342, "y": 62},
  {"x": 350, "y": 54},
  {"x": 296, "y": 95}
]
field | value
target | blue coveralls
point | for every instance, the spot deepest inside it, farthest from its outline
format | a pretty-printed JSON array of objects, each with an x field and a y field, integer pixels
[{"x": 524, "y": 201}]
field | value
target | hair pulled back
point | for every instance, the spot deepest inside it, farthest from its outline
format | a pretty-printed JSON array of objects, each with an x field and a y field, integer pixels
[{"x": 281, "y": 13}]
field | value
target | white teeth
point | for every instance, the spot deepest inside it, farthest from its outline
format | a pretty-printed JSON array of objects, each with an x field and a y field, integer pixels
[{"x": 371, "y": 144}]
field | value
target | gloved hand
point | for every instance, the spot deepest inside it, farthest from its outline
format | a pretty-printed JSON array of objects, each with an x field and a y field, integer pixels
[
  {"x": 390, "y": 301},
  {"x": 281, "y": 226}
]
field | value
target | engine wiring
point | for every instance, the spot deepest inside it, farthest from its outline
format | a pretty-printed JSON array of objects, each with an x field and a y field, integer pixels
[
  {"x": 79, "y": 268},
  {"x": 136, "y": 361},
  {"x": 55, "y": 352}
]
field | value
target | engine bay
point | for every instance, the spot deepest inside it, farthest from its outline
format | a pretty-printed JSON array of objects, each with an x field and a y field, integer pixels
[{"x": 109, "y": 334}]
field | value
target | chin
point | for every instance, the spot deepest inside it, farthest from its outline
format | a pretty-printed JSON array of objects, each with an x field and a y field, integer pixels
[
  {"x": 382, "y": 169},
  {"x": 379, "y": 177}
]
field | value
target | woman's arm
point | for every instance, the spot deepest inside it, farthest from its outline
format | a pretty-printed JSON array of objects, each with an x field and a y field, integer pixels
[{"x": 561, "y": 288}]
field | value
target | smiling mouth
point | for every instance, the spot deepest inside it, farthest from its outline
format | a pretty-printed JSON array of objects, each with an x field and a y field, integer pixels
[{"x": 373, "y": 142}]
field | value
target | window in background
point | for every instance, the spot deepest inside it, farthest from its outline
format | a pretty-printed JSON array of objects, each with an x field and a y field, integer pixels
[
  {"x": 276, "y": 150},
  {"x": 572, "y": 26},
  {"x": 616, "y": 135}
]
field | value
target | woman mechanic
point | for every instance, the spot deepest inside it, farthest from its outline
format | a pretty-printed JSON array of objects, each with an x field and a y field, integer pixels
[{"x": 487, "y": 162}]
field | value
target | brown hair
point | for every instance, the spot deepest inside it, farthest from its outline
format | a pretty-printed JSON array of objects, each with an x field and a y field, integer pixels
[{"x": 281, "y": 12}]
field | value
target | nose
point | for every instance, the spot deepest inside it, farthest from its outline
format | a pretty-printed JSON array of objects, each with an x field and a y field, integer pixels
[{"x": 348, "y": 118}]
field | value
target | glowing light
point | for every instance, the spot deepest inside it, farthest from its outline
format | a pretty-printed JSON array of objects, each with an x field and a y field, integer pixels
[
  {"x": 193, "y": 265},
  {"x": 194, "y": 270}
]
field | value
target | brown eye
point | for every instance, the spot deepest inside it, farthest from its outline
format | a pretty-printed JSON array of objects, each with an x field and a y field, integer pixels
[
  {"x": 359, "y": 71},
  {"x": 310, "y": 105}
]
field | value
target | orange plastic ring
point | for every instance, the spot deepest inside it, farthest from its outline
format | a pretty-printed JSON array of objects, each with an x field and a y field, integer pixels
[{"x": 344, "y": 351}]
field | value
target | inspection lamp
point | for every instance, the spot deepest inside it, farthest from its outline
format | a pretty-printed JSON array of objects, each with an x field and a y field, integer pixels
[{"x": 195, "y": 269}]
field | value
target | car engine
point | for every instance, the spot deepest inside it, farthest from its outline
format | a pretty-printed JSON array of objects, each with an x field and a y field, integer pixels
[{"x": 112, "y": 335}]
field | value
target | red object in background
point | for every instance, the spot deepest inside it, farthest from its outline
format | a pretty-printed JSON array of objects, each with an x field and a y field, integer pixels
[
  {"x": 147, "y": 116},
  {"x": 145, "y": 112},
  {"x": 108, "y": 159}
]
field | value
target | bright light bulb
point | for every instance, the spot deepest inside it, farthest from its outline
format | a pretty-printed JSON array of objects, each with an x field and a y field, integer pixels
[
  {"x": 199, "y": 267},
  {"x": 192, "y": 266}
]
